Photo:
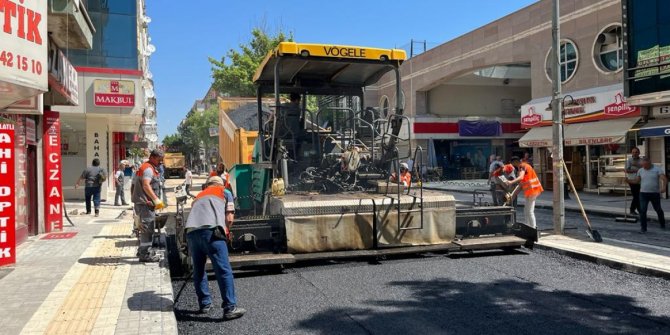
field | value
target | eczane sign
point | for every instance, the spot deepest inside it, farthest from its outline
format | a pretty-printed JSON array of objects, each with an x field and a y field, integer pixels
[{"x": 23, "y": 49}]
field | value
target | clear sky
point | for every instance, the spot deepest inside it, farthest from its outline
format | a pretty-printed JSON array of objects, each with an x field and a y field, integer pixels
[{"x": 186, "y": 33}]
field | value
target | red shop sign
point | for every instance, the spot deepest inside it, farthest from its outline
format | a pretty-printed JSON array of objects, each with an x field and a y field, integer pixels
[
  {"x": 7, "y": 196},
  {"x": 53, "y": 198}
]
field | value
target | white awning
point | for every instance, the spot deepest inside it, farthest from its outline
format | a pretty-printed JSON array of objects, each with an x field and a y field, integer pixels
[
  {"x": 588, "y": 133},
  {"x": 599, "y": 132},
  {"x": 536, "y": 137}
]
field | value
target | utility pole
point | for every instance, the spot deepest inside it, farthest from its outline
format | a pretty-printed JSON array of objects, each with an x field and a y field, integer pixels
[{"x": 557, "y": 117}]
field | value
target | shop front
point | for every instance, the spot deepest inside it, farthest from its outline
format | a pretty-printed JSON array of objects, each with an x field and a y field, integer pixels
[
  {"x": 461, "y": 147},
  {"x": 595, "y": 152}
]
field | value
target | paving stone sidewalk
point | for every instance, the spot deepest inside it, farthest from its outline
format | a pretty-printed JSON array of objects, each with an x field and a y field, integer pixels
[{"x": 89, "y": 284}]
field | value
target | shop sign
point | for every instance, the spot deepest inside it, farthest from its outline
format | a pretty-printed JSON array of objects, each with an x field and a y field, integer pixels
[
  {"x": 660, "y": 111},
  {"x": 609, "y": 104},
  {"x": 53, "y": 198},
  {"x": 531, "y": 118},
  {"x": 31, "y": 136},
  {"x": 655, "y": 132},
  {"x": 113, "y": 93},
  {"x": 23, "y": 47},
  {"x": 594, "y": 140},
  {"x": 619, "y": 107},
  {"x": 64, "y": 75},
  {"x": 7, "y": 196}
]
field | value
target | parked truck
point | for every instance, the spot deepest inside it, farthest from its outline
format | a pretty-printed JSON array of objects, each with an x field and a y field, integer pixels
[{"x": 174, "y": 163}]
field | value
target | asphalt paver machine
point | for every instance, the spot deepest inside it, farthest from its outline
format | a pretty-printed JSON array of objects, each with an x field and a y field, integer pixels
[{"x": 319, "y": 186}]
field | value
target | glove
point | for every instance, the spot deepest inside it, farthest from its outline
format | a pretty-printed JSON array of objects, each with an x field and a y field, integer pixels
[{"x": 158, "y": 204}]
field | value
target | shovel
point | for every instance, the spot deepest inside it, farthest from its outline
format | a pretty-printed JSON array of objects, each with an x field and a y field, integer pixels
[
  {"x": 625, "y": 217},
  {"x": 593, "y": 234}
]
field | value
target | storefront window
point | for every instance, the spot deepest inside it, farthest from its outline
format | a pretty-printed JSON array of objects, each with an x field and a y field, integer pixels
[
  {"x": 568, "y": 61},
  {"x": 608, "y": 49},
  {"x": 648, "y": 45}
]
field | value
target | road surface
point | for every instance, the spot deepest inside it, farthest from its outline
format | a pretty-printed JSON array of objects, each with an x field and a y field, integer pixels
[{"x": 528, "y": 292}]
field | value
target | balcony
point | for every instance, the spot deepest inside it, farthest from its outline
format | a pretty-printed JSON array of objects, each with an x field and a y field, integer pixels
[{"x": 69, "y": 24}]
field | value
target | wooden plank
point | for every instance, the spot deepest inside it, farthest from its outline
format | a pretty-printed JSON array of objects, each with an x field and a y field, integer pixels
[{"x": 490, "y": 242}]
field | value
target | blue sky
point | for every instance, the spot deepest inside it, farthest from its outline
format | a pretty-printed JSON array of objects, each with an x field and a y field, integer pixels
[{"x": 186, "y": 33}]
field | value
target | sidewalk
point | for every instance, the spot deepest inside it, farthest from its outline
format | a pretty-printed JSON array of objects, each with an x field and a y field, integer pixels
[
  {"x": 89, "y": 283},
  {"x": 622, "y": 246}
]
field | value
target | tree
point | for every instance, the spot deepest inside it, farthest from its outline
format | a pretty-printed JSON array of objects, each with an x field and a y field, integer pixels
[
  {"x": 236, "y": 78},
  {"x": 194, "y": 130},
  {"x": 174, "y": 143}
]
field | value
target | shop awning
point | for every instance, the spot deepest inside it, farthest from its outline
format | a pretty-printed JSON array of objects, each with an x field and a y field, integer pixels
[
  {"x": 656, "y": 128},
  {"x": 588, "y": 133},
  {"x": 599, "y": 133},
  {"x": 536, "y": 137}
]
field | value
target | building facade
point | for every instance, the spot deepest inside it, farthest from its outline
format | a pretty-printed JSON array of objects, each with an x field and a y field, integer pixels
[
  {"x": 117, "y": 104},
  {"x": 487, "y": 92},
  {"x": 35, "y": 74},
  {"x": 647, "y": 72}
]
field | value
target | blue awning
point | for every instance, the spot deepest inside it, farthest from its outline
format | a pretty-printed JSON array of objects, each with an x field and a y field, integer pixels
[{"x": 656, "y": 128}]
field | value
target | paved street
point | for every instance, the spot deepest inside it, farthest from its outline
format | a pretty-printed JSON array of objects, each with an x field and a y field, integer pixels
[{"x": 486, "y": 293}]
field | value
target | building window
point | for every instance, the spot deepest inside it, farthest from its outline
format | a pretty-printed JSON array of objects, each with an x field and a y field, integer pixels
[
  {"x": 608, "y": 49},
  {"x": 569, "y": 60}
]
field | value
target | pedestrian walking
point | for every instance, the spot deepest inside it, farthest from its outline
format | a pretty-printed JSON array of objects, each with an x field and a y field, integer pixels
[
  {"x": 207, "y": 232},
  {"x": 119, "y": 179},
  {"x": 144, "y": 195},
  {"x": 632, "y": 166},
  {"x": 653, "y": 182},
  {"x": 188, "y": 181},
  {"x": 93, "y": 177},
  {"x": 531, "y": 187}
]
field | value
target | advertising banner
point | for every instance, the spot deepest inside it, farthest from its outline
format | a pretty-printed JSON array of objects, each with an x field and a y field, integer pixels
[
  {"x": 7, "y": 195},
  {"x": 53, "y": 196},
  {"x": 23, "y": 47},
  {"x": 114, "y": 93},
  {"x": 603, "y": 105}
]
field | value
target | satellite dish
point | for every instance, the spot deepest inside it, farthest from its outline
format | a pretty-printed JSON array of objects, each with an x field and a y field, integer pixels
[
  {"x": 149, "y": 93},
  {"x": 151, "y": 48}
]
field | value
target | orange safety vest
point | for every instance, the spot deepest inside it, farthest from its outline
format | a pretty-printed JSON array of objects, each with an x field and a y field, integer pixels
[
  {"x": 405, "y": 178},
  {"x": 219, "y": 192},
  {"x": 530, "y": 184}
]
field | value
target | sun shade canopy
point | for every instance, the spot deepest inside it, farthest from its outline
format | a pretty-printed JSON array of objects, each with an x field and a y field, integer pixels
[
  {"x": 588, "y": 133},
  {"x": 325, "y": 67}
]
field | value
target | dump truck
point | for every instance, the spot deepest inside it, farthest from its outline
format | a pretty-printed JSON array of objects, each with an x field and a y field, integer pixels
[
  {"x": 174, "y": 163},
  {"x": 318, "y": 186}
]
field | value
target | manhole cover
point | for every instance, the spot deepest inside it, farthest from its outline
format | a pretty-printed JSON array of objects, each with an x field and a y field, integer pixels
[{"x": 59, "y": 236}]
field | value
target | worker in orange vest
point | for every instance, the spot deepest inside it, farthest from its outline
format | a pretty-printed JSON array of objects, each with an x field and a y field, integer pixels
[
  {"x": 405, "y": 176},
  {"x": 221, "y": 172},
  {"x": 144, "y": 195},
  {"x": 531, "y": 187}
]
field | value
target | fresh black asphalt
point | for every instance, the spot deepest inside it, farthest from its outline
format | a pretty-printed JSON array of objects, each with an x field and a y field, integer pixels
[{"x": 528, "y": 292}]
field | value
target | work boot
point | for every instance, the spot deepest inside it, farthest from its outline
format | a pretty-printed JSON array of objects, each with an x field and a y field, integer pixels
[
  {"x": 97, "y": 213},
  {"x": 234, "y": 313}
]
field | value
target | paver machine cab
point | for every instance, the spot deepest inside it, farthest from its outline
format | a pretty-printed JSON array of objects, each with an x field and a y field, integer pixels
[{"x": 319, "y": 185}]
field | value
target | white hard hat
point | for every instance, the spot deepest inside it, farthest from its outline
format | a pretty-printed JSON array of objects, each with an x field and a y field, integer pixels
[{"x": 404, "y": 165}]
